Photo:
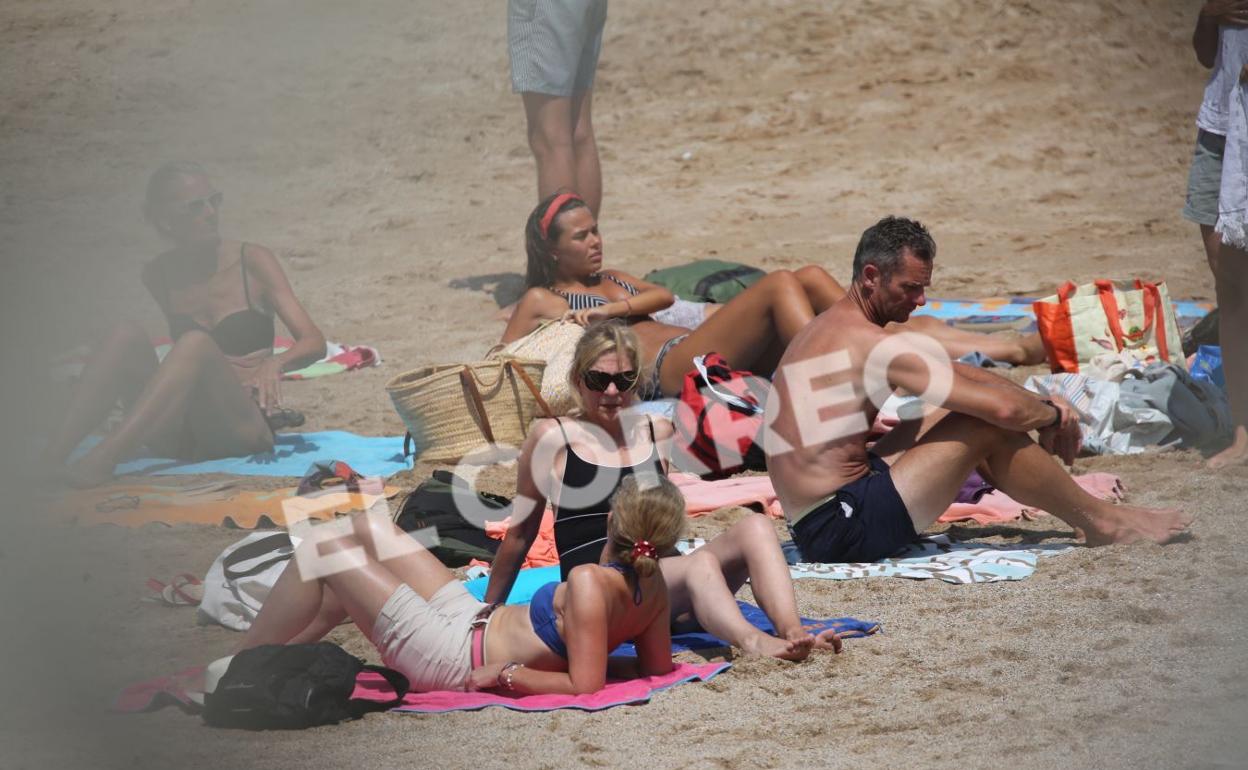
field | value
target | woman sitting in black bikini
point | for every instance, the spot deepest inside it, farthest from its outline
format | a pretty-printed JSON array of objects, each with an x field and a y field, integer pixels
[{"x": 215, "y": 390}]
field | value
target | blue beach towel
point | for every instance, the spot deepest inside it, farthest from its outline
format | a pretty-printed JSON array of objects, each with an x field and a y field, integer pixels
[
  {"x": 291, "y": 456},
  {"x": 529, "y": 580}
]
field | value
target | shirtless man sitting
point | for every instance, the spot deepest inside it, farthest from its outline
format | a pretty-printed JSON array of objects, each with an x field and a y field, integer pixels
[{"x": 845, "y": 502}]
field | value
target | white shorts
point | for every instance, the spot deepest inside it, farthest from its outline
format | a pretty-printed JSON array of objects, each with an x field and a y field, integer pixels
[
  {"x": 554, "y": 45},
  {"x": 429, "y": 642}
]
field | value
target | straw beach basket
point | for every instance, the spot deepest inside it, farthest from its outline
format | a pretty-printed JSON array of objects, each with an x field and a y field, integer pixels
[
  {"x": 453, "y": 409},
  {"x": 555, "y": 343}
]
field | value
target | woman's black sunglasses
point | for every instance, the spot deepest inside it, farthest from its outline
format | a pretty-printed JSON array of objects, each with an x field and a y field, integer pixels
[
  {"x": 598, "y": 381},
  {"x": 196, "y": 207}
]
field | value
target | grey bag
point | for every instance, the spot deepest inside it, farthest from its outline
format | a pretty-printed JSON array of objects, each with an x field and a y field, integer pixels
[{"x": 1199, "y": 410}]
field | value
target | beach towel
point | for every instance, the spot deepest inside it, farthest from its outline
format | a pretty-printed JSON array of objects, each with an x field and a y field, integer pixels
[
  {"x": 338, "y": 358},
  {"x": 939, "y": 557},
  {"x": 543, "y": 552},
  {"x": 996, "y": 506},
  {"x": 529, "y": 580},
  {"x": 633, "y": 691},
  {"x": 1001, "y": 308},
  {"x": 219, "y": 504},
  {"x": 702, "y": 497},
  {"x": 291, "y": 455},
  {"x": 173, "y": 689}
]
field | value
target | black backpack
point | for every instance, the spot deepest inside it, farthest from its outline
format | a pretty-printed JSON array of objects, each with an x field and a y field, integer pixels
[
  {"x": 287, "y": 687},
  {"x": 432, "y": 505}
]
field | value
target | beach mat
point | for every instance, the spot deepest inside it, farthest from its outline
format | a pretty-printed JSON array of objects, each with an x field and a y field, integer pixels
[
  {"x": 998, "y": 309},
  {"x": 370, "y": 686},
  {"x": 172, "y": 690},
  {"x": 292, "y": 454},
  {"x": 939, "y": 557},
  {"x": 219, "y": 504},
  {"x": 529, "y": 580},
  {"x": 338, "y": 358}
]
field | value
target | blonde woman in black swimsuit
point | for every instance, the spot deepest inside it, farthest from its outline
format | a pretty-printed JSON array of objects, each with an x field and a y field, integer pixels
[
  {"x": 578, "y": 463},
  {"x": 566, "y": 279},
  {"x": 213, "y": 393}
]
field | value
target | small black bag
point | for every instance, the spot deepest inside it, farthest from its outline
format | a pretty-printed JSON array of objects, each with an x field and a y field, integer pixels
[
  {"x": 432, "y": 505},
  {"x": 287, "y": 687}
]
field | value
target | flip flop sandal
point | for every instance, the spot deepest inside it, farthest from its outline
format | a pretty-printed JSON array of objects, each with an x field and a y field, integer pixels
[{"x": 185, "y": 590}]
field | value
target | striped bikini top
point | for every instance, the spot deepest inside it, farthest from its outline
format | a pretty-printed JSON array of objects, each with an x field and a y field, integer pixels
[{"x": 584, "y": 301}]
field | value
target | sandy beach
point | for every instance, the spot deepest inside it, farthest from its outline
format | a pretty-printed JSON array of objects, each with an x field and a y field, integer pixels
[{"x": 379, "y": 151}]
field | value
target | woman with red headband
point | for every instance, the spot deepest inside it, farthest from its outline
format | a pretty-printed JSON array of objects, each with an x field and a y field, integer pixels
[
  {"x": 426, "y": 625},
  {"x": 579, "y": 463},
  {"x": 566, "y": 279}
]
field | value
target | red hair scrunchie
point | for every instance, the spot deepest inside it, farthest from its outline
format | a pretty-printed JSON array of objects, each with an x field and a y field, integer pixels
[{"x": 644, "y": 548}]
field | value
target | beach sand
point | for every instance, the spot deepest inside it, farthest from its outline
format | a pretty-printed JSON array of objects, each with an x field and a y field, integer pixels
[{"x": 378, "y": 150}]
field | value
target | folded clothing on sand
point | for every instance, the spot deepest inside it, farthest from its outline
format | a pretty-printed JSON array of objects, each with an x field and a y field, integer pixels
[{"x": 939, "y": 557}]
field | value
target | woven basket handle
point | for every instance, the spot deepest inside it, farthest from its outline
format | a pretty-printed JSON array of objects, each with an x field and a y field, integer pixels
[
  {"x": 469, "y": 385},
  {"x": 524, "y": 377}
]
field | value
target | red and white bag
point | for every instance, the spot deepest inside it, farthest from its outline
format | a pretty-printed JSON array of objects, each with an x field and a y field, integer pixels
[
  {"x": 1080, "y": 324},
  {"x": 719, "y": 419}
]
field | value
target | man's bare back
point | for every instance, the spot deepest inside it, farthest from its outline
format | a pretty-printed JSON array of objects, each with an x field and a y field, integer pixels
[{"x": 836, "y": 344}]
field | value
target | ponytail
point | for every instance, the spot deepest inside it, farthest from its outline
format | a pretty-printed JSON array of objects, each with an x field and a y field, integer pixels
[{"x": 647, "y": 518}]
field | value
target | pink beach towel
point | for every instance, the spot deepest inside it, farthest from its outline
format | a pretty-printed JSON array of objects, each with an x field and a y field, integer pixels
[
  {"x": 702, "y": 497},
  {"x": 996, "y": 506},
  {"x": 372, "y": 687},
  {"x": 155, "y": 693}
]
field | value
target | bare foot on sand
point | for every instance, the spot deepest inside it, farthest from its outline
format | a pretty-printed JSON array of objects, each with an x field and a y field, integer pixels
[
  {"x": 1234, "y": 455},
  {"x": 828, "y": 640},
  {"x": 1124, "y": 524},
  {"x": 775, "y": 647}
]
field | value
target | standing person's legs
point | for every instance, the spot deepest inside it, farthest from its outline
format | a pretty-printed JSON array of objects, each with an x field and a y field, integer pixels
[
  {"x": 585, "y": 152},
  {"x": 1232, "y": 290},
  {"x": 1213, "y": 245},
  {"x": 554, "y": 47},
  {"x": 928, "y": 476},
  {"x": 550, "y": 123}
]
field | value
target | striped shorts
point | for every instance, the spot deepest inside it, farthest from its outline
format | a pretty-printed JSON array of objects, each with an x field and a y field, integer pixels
[{"x": 554, "y": 44}]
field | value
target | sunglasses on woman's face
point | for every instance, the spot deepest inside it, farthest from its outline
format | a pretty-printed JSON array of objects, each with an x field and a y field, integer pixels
[
  {"x": 598, "y": 381},
  {"x": 200, "y": 205}
]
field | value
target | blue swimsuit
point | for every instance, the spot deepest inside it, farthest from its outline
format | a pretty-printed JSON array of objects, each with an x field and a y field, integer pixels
[{"x": 542, "y": 611}]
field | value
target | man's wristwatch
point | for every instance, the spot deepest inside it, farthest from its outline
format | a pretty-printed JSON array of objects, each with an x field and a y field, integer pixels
[{"x": 1057, "y": 417}]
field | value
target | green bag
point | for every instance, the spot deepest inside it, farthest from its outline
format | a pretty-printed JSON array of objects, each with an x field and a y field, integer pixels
[{"x": 706, "y": 280}]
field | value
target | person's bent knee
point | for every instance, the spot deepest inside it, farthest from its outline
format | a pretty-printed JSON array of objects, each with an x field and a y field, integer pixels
[
  {"x": 702, "y": 566},
  {"x": 756, "y": 528},
  {"x": 193, "y": 342}
]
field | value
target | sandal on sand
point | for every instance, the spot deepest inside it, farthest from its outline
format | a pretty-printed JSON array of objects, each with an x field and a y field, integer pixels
[{"x": 185, "y": 590}]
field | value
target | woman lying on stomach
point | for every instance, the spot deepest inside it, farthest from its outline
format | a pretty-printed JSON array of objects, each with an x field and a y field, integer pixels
[{"x": 424, "y": 622}]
